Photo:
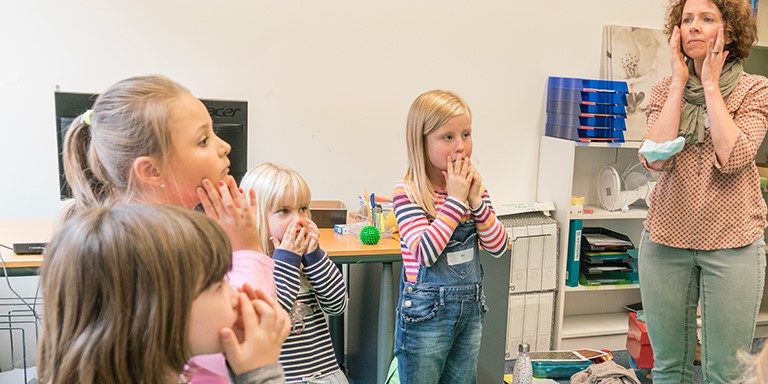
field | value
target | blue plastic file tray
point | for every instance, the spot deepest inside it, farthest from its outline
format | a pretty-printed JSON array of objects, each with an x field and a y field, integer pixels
[
  {"x": 571, "y": 133},
  {"x": 599, "y": 133},
  {"x": 544, "y": 369},
  {"x": 581, "y": 97},
  {"x": 579, "y": 121},
  {"x": 588, "y": 84},
  {"x": 555, "y": 106}
]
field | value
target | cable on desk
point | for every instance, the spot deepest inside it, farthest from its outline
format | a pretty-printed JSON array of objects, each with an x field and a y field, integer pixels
[{"x": 8, "y": 281}]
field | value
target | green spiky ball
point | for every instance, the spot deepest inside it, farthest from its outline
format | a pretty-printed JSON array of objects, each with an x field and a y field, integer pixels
[{"x": 369, "y": 235}]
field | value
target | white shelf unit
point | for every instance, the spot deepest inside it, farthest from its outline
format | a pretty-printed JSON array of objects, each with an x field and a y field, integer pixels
[
  {"x": 587, "y": 317},
  {"x": 594, "y": 317}
]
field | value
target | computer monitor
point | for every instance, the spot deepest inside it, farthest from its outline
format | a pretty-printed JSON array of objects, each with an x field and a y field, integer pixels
[{"x": 230, "y": 123}]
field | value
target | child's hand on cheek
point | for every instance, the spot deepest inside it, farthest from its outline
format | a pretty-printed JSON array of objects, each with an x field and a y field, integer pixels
[
  {"x": 265, "y": 326},
  {"x": 232, "y": 209},
  {"x": 458, "y": 178},
  {"x": 294, "y": 239}
]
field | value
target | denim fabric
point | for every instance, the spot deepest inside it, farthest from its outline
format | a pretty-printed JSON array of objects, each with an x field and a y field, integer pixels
[
  {"x": 729, "y": 283},
  {"x": 439, "y": 318}
]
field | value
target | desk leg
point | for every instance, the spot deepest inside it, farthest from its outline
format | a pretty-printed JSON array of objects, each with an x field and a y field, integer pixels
[{"x": 386, "y": 336}]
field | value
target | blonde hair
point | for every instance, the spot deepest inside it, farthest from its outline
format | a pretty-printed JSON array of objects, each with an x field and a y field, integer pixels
[
  {"x": 118, "y": 285},
  {"x": 430, "y": 111},
  {"x": 129, "y": 120},
  {"x": 275, "y": 185}
]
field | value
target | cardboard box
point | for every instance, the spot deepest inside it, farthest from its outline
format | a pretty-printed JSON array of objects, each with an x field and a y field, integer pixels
[
  {"x": 327, "y": 213},
  {"x": 762, "y": 169}
]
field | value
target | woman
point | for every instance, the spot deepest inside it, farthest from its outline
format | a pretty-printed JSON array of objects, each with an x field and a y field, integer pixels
[{"x": 703, "y": 237}]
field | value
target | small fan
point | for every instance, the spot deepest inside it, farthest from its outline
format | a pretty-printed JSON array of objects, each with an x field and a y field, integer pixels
[{"x": 619, "y": 192}]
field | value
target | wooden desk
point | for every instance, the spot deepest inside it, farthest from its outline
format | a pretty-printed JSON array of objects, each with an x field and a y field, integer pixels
[
  {"x": 347, "y": 249},
  {"x": 23, "y": 231}
]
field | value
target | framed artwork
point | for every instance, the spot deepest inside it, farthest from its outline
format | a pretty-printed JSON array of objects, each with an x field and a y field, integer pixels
[{"x": 640, "y": 57}]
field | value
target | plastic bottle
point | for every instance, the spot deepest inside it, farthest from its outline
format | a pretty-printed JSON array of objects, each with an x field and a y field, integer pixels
[{"x": 523, "y": 372}]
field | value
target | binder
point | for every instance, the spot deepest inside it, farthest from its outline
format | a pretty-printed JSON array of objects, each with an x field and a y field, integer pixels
[{"x": 574, "y": 253}]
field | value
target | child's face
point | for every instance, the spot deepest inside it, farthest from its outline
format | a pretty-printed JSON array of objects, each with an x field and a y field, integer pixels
[
  {"x": 214, "y": 309},
  {"x": 281, "y": 216},
  {"x": 452, "y": 139},
  {"x": 196, "y": 152}
]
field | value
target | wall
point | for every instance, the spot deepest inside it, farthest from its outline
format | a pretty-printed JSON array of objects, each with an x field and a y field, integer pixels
[{"x": 329, "y": 83}]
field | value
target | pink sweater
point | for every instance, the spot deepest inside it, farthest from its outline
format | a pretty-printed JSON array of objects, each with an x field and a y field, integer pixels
[{"x": 256, "y": 269}]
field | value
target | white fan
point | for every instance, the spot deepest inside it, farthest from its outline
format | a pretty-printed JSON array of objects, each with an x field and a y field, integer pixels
[{"x": 619, "y": 192}]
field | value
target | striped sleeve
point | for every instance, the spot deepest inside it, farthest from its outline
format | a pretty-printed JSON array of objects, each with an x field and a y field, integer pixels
[
  {"x": 327, "y": 281},
  {"x": 491, "y": 232},
  {"x": 425, "y": 240},
  {"x": 287, "y": 278}
]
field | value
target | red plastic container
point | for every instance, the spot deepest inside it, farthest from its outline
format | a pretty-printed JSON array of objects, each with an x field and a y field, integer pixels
[{"x": 638, "y": 344}]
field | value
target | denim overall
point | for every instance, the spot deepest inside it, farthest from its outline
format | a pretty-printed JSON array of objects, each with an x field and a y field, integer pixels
[{"x": 440, "y": 317}]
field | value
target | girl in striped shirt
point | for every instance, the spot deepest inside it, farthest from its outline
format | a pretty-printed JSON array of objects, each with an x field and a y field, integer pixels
[
  {"x": 443, "y": 212},
  {"x": 309, "y": 285}
]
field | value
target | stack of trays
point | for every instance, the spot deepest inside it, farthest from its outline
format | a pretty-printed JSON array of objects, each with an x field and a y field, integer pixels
[
  {"x": 586, "y": 110},
  {"x": 608, "y": 257}
]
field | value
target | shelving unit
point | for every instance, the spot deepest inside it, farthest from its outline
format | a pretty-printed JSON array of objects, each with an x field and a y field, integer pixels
[
  {"x": 587, "y": 317},
  {"x": 594, "y": 317}
]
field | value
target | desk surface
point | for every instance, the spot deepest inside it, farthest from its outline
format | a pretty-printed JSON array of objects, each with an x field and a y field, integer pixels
[{"x": 342, "y": 249}]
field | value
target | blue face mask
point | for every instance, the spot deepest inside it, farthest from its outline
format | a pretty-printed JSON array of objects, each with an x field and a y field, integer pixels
[{"x": 661, "y": 151}]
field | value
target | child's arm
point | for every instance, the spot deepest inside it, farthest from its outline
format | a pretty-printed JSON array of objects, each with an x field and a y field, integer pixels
[
  {"x": 425, "y": 240},
  {"x": 263, "y": 326},
  {"x": 287, "y": 258},
  {"x": 327, "y": 281},
  {"x": 491, "y": 232}
]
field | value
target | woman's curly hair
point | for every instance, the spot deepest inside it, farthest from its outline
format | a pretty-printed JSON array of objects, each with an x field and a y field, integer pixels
[{"x": 740, "y": 26}]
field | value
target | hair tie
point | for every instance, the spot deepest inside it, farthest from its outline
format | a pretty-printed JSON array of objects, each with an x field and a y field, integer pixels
[{"x": 86, "y": 117}]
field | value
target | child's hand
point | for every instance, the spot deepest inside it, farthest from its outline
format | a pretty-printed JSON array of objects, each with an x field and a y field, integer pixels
[
  {"x": 295, "y": 239},
  {"x": 265, "y": 326},
  {"x": 313, "y": 233},
  {"x": 458, "y": 177},
  {"x": 474, "y": 190},
  {"x": 227, "y": 205}
]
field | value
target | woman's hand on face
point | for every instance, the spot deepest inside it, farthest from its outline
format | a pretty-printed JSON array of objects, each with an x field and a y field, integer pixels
[
  {"x": 713, "y": 63},
  {"x": 458, "y": 177},
  {"x": 679, "y": 68},
  {"x": 236, "y": 213},
  {"x": 294, "y": 240},
  {"x": 256, "y": 338}
]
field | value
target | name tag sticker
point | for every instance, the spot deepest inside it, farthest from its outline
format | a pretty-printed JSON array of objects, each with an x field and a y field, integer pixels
[{"x": 460, "y": 257}]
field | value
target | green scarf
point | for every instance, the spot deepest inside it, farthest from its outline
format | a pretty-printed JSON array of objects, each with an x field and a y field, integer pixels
[{"x": 694, "y": 106}]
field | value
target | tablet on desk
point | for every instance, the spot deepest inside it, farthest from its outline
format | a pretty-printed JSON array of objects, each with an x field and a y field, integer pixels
[{"x": 29, "y": 248}]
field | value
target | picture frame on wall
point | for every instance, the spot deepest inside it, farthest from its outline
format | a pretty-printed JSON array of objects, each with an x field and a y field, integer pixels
[{"x": 639, "y": 56}]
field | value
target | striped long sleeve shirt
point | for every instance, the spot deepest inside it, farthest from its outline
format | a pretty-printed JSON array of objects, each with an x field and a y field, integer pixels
[
  {"x": 316, "y": 290},
  {"x": 423, "y": 238}
]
